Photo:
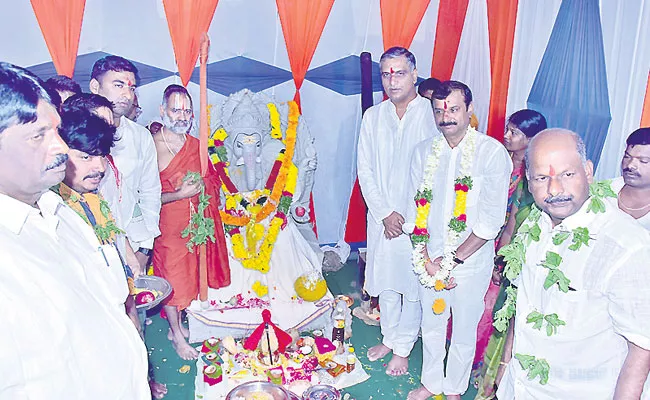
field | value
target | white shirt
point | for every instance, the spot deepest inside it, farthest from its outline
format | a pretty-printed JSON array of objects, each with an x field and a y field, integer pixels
[
  {"x": 486, "y": 201},
  {"x": 118, "y": 200},
  {"x": 617, "y": 185},
  {"x": 383, "y": 162},
  {"x": 610, "y": 303},
  {"x": 135, "y": 157},
  {"x": 64, "y": 335}
]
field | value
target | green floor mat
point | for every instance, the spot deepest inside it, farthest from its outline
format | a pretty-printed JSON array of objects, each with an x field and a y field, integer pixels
[{"x": 167, "y": 365}]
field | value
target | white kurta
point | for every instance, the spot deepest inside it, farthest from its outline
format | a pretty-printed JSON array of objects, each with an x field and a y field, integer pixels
[
  {"x": 486, "y": 208},
  {"x": 118, "y": 200},
  {"x": 617, "y": 185},
  {"x": 66, "y": 335},
  {"x": 607, "y": 303},
  {"x": 383, "y": 162},
  {"x": 135, "y": 157}
]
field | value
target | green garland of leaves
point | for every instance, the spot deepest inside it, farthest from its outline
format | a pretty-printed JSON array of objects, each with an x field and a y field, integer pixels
[
  {"x": 515, "y": 256},
  {"x": 200, "y": 228},
  {"x": 535, "y": 366},
  {"x": 553, "y": 321}
]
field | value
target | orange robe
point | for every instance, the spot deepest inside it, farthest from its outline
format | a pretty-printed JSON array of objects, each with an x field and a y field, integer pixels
[{"x": 171, "y": 258}]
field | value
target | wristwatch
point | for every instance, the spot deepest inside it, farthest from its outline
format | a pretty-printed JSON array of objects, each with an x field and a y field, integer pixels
[{"x": 144, "y": 251}]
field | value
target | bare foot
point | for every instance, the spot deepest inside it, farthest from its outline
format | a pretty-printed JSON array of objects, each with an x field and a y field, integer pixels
[
  {"x": 420, "y": 393},
  {"x": 377, "y": 352},
  {"x": 397, "y": 366},
  {"x": 184, "y": 350},
  {"x": 184, "y": 331},
  {"x": 158, "y": 390},
  {"x": 452, "y": 396}
]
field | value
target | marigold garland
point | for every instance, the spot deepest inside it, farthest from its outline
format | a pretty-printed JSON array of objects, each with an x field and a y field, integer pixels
[
  {"x": 248, "y": 210},
  {"x": 457, "y": 224}
]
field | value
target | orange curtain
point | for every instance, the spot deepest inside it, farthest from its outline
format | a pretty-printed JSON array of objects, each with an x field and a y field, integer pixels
[
  {"x": 400, "y": 20},
  {"x": 502, "y": 18},
  {"x": 302, "y": 25},
  {"x": 60, "y": 22},
  {"x": 187, "y": 21},
  {"x": 645, "y": 114},
  {"x": 451, "y": 18}
]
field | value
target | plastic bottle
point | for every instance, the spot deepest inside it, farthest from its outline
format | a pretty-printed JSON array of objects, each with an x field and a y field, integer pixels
[
  {"x": 351, "y": 360},
  {"x": 338, "y": 318}
]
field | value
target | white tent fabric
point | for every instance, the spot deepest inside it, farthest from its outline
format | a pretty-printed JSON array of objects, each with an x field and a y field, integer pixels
[
  {"x": 626, "y": 38},
  {"x": 138, "y": 30},
  {"x": 472, "y": 64}
]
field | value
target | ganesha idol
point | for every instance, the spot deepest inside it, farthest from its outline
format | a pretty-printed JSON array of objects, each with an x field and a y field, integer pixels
[{"x": 266, "y": 159}]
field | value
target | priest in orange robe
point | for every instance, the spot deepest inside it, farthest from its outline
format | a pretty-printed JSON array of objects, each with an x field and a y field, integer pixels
[{"x": 173, "y": 259}]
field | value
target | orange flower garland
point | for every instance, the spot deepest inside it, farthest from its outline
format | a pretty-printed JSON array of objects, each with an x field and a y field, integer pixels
[{"x": 250, "y": 209}]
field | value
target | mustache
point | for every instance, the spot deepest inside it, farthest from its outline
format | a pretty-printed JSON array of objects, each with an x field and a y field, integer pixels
[
  {"x": 99, "y": 175},
  {"x": 630, "y": 171},
  {"x": 557, "y": 199},
  {"x": 450, "y": 123},
  {"x": 59, "y": 160}
]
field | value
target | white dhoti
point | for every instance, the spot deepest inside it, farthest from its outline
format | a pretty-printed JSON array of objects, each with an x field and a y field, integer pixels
[
  {"x": 400, "y": 322},
  {"x": 466, "y": 304}
]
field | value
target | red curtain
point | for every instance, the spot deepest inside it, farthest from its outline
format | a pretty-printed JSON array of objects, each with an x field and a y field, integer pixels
[
  {"x": 451, "y": 18},
  {"x": 60, "y": 22},
  {"x": 302, "y": 25},
  {"x": 502, "y": 17},
  {"x": 400, "y": 20},
  {"x": 187, "y": 21},
  {"x": 645, "y": 114}
]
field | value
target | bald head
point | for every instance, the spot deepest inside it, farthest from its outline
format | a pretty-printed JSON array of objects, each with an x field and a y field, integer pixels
[{"x": 558, "y": 171}]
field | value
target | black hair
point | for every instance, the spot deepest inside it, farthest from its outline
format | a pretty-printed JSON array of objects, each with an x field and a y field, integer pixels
[
  {"x": 397, "y": 51},
  {"x": 428, "y": 84},
  {"x": 62, "y": 83},
  {"x": 112, "y": 63},
  {"x": 640, "y": 136},
  {"x": 171, "y": 89},
  {"x": 86, "y": 101},
  {"x": 20, "y": 92},
  {"x": 84, "y": 131},
  {"x": 530, "y": 122},
  {"x": 445, "y": 88}
]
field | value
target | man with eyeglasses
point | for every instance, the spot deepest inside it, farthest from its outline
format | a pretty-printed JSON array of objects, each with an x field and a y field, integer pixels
[
  {"x": 389, "y": 133},
  {"x": 178, "y": 154},
  {"x": 134, "y": 154}
]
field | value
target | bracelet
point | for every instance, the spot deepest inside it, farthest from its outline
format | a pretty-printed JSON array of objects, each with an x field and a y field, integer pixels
[
  {"x": 503, "y": 363},
  {"x": 458, "y": 260}
]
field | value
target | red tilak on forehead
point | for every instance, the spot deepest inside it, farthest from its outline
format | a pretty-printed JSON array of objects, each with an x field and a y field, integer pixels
[
  {"x": 551, "y": 170},
  {"x": 445, "y": 105},
  {"x": 391, "y": 70},
  {"x": 129, "y": 82}
]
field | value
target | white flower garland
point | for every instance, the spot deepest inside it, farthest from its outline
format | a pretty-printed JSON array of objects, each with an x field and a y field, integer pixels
[{"x": 449, "y": 251}]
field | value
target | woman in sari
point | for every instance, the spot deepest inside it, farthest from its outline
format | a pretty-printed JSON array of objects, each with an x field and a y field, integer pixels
[{"x": 520, "y": 127}]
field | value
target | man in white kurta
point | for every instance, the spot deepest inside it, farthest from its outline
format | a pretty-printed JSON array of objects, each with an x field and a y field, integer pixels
[
  {"x": 65, "y": 333},
  {"x": 598, "y": 345},
  {"x": 389, "y": 133},
  {"x": 485, "y": 211},
  {"x": 134, "y": 154}
]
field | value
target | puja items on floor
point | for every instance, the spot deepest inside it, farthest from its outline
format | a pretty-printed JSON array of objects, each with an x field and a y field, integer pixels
[{"x": 296, "y": 362}]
